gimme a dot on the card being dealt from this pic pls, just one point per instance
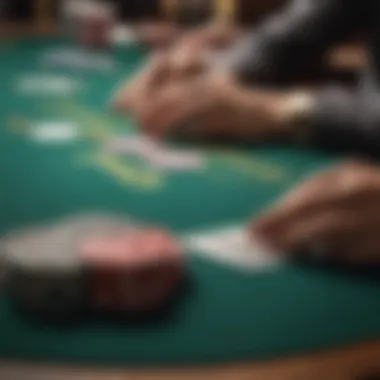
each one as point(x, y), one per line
point(233, 246)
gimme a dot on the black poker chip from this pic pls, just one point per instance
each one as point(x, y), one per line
point(44, 275)
point(50, 295)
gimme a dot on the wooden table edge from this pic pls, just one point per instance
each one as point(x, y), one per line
point(350, 363)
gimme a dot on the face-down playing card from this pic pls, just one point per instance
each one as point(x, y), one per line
point(233, 246)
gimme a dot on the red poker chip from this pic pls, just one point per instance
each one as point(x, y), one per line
point(102, 290)
point(131, 249)
point(134, 270)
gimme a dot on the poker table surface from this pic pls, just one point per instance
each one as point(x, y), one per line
point(228, 315)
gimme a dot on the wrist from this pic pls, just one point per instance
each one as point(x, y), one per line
point(292, 112)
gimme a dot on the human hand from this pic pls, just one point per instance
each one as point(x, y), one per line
point(338, 210)
point(186, 58)
point(213, 106)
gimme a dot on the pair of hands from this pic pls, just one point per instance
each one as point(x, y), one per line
point(338, 209)
point(178, 88)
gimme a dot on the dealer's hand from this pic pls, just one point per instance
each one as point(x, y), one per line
point(214, 105)
point(188, 57)
point(143, 85)
point(338, 210)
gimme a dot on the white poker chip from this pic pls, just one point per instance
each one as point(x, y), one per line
point(54, 132)
point(41, 249)
point(55, 247)
point(78, 59)
point(29, 84)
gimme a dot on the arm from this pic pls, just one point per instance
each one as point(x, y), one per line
point(340, 119)
point(331, 118)
point(294, 39)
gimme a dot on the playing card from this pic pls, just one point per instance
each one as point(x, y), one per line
point(233, 246)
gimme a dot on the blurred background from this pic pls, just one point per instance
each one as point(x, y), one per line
point(155, 22)
point(47, 11)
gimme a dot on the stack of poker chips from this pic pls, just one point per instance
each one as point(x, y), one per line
point(91, 264)
point(43, 279)
point(131, 271)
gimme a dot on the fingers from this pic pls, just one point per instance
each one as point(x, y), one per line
point(322, 211)
point(296, 206)
point(349, 188)
point(176, 104)
point(301, 235)
point(333, 228)
point(190, 56)
point(158, 76)
point(346, 235)
point(145, 82)
point(362, 249)
point(187, 60)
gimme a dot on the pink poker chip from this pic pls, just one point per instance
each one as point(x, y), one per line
point(137, 271)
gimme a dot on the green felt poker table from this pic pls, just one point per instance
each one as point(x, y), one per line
point(229, 315)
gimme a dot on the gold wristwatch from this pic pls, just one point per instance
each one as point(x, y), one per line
point(297, 112)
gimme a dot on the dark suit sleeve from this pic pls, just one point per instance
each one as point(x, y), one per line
point(294, 39)
point(346, 120)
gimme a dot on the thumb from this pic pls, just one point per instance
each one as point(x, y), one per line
point(149, 78)
point(187, 60)
point(171, 107)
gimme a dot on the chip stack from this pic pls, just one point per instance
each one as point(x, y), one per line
point(132, 272)
point(45, 277)
point(92, 263)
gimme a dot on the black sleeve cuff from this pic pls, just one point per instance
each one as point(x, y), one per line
point(250, 61)
point(346, 121)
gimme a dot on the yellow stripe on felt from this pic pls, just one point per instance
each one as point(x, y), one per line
point(19, 125)
point(126, 174)
point(256, 168)
point(95, 127)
